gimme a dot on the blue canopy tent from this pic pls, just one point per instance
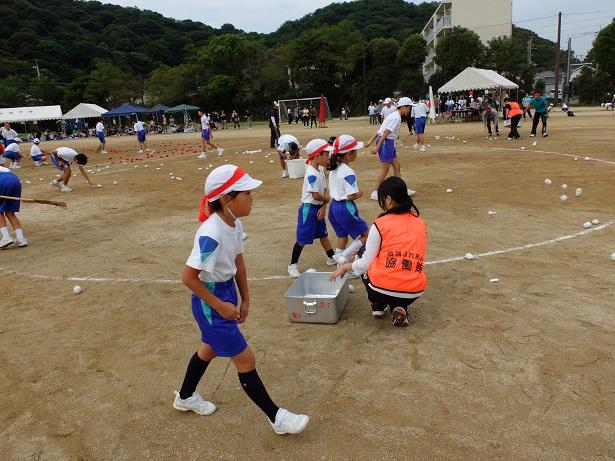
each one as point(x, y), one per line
point(159, 109)
point(125, 110)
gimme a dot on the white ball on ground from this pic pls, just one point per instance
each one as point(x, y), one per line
point(244, 236)
point(587, 225)
point(77, 289)
point(563, 198)
point(612, 256)
point(98, 185)
point(469, 256)
point(595, 222)
point(28, 182)
point(270, 161)
point(491, 212)
point(576, 158)
point(172, 177)
point(548, 182)
point(115, 183)
point(522, 148)
point(448, 191)
point(535, 143)
point(351, 289)
point(578, 192)
point(564, 186)
point(494, 280)
point(587, 158)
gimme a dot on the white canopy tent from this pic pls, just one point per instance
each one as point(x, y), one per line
point(477, 79)
point(85, 110)
point(30, 114)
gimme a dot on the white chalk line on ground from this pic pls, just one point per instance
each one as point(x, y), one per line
point(284, 277)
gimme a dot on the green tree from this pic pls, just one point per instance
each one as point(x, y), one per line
point(410, 58)
point(503, 55)
point(592, 86)
point(172, 85)
point(382, 73)
point(108, 85)
point(458, 49)
point(602, 53)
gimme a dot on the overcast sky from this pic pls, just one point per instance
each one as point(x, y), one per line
point(267, 15)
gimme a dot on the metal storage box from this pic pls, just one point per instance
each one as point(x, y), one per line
point(313, 298)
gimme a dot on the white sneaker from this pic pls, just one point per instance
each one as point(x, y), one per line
point(15, 166)
point(220, 151)
point(55, 183)
point(139, 152)
point(65, 189)
point(104, 152)
point(22, 242)
point(202, 156)
point(194, 403)
point(293, 271)
point(37, 163)
point(374, 195)
point(6, 242)
point(289, 423)
point(285, 174)
point(422, 149)
point(532, 135)
point(415, 146)
point(339, 259)
point(330, 262)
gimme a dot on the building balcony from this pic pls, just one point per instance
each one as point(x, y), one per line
point(429, 35)
point(431, 54)
point(443, 22)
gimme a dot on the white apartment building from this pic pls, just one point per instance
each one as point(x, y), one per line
point(488, 18)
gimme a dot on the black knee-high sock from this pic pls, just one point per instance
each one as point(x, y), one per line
point(330, 253)
point(297, 249)
point(194, 373)
point(254, 387)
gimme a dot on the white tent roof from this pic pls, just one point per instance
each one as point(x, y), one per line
point(29, 114)
point(477, 79)
point(85, 110)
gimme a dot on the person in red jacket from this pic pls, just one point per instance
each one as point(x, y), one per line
point(393, 262)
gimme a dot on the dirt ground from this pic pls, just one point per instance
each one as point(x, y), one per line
point(522, 368)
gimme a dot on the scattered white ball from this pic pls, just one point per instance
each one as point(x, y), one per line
point(40, 179)
point(578, 192)
point(535, 143)
point(587, 225)
point(200, 168)
point(145, 166)
point(595, 221)
point(171, 174)
point(469, 256)
point(270, 161)
point(563, 198)
point(98, 185)
point(157, 167)
point(548, 182)
point(564, 186)
point(448, 191)
point(351, 289)
point(492, 212)
point(576, 158)
point(172, 177)
point(178, 178)
point(494, 280)
point(251, 161)
point(587, 158)
point(28, 182)
point(210, 165)
point(522, 148)
point(77, 289)
point(115, 183)
point(465, 142)
point(136, 166)
point(612, 256)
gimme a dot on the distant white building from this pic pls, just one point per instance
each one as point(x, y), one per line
point(488, 18)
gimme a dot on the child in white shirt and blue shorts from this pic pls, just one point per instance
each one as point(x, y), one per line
point(10, 186)
point(344, 190)
point(311, 222)
point(214, 272)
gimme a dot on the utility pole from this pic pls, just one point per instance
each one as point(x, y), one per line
point(529, 51)
point(38, 72)
point(557, 53)
point(568, 71)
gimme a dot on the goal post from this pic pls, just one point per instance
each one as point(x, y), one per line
point(297, 105)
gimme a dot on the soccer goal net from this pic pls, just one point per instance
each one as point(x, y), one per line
point(296, 109)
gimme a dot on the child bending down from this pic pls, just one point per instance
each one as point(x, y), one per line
point(214, 271)
point(392, 264)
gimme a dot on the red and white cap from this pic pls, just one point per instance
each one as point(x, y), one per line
point(221, 181)
point(346, 143)
point(315, 147)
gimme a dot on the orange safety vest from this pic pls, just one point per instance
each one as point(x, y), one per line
point(514, 109)
point(399, 264)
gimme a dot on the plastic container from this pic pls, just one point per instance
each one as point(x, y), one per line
point(296, 168)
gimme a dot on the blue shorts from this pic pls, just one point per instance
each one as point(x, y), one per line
point(206, 134)
point(387, 152)
point(59, 163)
point(419, 125)
point(222, 335)
point(12, 155)
point(345, 219)
point(11, 186)
point(308, 226)
point(101, 137)
point(37, 158)
point(141, 135)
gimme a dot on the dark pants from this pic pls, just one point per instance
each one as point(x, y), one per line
point(542, 116)
point(410, 123)
point(275, 134)
point(380, 301)
point(514, 122)
point(529, 112)
point(313, 122)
